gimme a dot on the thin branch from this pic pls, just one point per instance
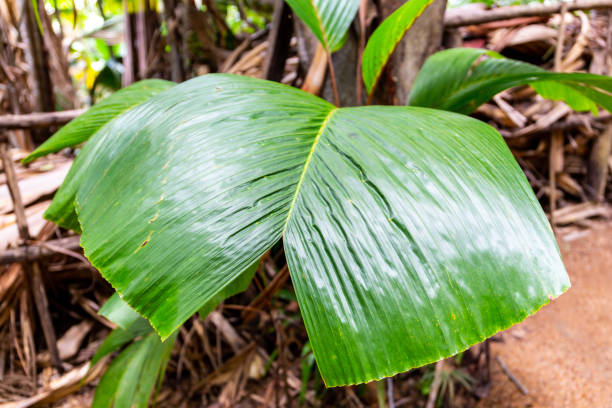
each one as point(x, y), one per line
point(390, 399)
point(512, 378)
point(459, 18)
point(35, 251)
point(435, 386)
point(572, 122)
point(362, 41)
point(560, 40)
point(15, 193)
point(370, 98)
point(39, 119)
point(555, 155)
point(332, 76)
point(33, 270)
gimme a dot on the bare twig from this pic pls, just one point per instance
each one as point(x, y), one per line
point(362, 41)
point(597, 173)
point(458, 17)
point(264, 297)
point(555, 166)
point(42, 306)
point(435, 385)
point(390, 399)
point(576, 213)
point(36, 251)
point(571, 123)
point(555, 156)
point(546, 121)
point(13, 187)
point(63, 386)
point(32, 270)
point(226, 330)
point(66, 251)
point(560, 40)
point(334, 83)
point(38, 120)
point(509, 374)
point(282, 355)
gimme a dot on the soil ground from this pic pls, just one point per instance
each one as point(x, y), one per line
point(563, 354)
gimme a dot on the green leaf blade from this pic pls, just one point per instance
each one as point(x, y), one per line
point(329, 20)
point(153, 369)
point(415, 236)
point(118, 312)
point(410, 233)
point(123, 372)
point(461, 79)
point(131, 325)
point(175, 170)
point(132, 375)
point(384, 40)
point(81, 128)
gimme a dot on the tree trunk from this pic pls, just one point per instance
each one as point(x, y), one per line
point(279, 39)
point(65, 94)
point(129, 60)
point(423, 39)
point(37, 60)
point(142, 36)
point(16, 84)
point(177, 70)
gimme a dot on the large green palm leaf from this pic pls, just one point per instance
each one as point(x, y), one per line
point(462, 79)
point(410, 233)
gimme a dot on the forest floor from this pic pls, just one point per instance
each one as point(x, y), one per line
point(563, 354)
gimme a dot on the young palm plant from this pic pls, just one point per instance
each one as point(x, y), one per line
point(410, 233)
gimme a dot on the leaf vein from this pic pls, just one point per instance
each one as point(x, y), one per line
point(306, 163)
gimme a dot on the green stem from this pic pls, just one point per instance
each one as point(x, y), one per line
point(380, 391)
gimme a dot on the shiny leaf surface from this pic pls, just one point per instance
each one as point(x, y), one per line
point(410, 233)
point(384, 40)
point(462, 79)
point(414, 236)
point(81, 128)
point(329, 20)
point(179, 196)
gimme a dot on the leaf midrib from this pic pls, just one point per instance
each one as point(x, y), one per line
point(306, 163)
